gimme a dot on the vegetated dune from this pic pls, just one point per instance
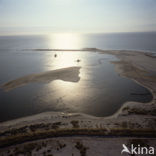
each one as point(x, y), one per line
point(66, 74)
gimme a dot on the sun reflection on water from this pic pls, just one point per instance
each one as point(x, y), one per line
point(62, 91)
point(65, 41)
point(64, 60)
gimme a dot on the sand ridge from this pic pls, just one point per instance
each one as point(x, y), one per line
point(66, 74)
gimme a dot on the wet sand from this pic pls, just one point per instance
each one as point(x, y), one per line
point(66, 74)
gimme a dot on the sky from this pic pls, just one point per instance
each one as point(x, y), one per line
point(94, 16)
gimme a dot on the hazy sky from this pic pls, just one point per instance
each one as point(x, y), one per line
point(20, 16)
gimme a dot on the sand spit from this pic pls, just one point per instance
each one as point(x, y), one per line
point(66, 74)
point(84, 49)
point(133, 119)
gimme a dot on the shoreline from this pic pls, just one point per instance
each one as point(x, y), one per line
point(132, 117)
point(70, 74)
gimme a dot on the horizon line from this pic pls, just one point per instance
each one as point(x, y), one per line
point(67, 32)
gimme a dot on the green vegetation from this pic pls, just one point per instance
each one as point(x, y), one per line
point(26, 149)
point(56, 125)
point(75, 123)
point(81, 148)
point(139, 111)
point(61, 145)
point(42, 134)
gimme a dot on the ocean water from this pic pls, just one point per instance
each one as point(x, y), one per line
point(109, 41)
point(100, 91)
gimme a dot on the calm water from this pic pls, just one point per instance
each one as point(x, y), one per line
point(123, 41)
point(100, 91)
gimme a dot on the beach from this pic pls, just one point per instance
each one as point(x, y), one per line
point(77, 78)
point(66, 74)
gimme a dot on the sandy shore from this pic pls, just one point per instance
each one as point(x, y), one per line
point(66, 74)
point(68, 146)
point(133, 118)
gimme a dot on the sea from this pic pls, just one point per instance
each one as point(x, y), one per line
point(101, 91)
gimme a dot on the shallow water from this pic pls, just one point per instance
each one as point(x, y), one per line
point(100, 91)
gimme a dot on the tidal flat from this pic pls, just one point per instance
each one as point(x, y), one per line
point(133, 120)
point(77, 81)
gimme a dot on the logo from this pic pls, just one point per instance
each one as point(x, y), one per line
point(137, 150)
point(125, 149)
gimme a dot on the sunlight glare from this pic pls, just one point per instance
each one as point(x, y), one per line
point(65, 41)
